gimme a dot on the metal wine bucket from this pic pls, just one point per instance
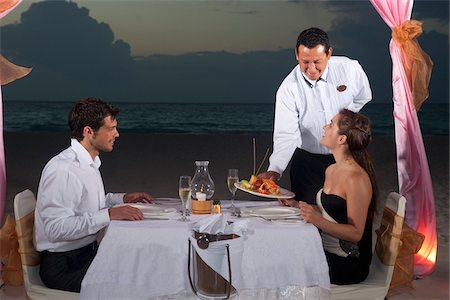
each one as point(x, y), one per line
point(205, 282)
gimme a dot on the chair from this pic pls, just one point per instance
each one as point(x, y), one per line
point(376, 286)
point(24, 205)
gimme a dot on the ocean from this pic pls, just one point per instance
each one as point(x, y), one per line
point(200, 118)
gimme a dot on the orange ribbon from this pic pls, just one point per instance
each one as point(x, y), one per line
point(25, 228)
point(7, 4)
point(9, 251)
point(417, 63)
point(10, 72)
point(389, 237)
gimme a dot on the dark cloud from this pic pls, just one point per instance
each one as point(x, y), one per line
point(428, 9)
point(74, 55)
point(70, 52)
point(249, 12)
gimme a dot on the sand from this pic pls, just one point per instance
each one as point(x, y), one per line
point(153, 163)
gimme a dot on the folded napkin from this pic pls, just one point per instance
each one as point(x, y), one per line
point(218, 224)
point(216, 255)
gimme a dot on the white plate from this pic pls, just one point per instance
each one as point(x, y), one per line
point(151, 210)
point(271, 212)
point(284, 194)
point(289, 222)
point(167, 201)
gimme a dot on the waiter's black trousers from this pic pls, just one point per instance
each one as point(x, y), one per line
point(308, 174)
point(66, 270)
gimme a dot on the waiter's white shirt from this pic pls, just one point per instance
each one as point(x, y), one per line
point(71, 204)
point(303, 107)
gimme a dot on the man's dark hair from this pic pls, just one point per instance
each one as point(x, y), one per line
point(89, 112)
point(312, 37)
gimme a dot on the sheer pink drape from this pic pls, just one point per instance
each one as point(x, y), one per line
point(8, 73)
point(412, 166)
point(2, 162)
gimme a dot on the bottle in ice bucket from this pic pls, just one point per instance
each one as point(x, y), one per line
point(202, 184)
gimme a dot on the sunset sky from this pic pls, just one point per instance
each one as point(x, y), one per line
point(228, 31)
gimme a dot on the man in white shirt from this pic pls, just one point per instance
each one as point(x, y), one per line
point(71, 203)
point(308, 98)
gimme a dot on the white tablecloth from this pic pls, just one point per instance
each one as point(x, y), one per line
point(146, 259)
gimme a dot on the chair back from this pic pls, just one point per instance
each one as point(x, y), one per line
point(376, 286)
point(388, 239)
point(24, 204)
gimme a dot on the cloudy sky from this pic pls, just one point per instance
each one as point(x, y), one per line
point(201, 51)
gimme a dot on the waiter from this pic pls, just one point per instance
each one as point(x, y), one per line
point(306, 101)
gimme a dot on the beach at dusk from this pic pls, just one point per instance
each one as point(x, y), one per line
point(209, 80)
point(154, 162)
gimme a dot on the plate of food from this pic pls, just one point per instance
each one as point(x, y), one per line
point(264, 188)
point(151, 210)
point(271, 212)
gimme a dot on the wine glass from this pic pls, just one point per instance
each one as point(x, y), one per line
point(232, 178)
point(184, 191)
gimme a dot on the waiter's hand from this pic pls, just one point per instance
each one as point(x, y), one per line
point(272, 175)
point(137, 197)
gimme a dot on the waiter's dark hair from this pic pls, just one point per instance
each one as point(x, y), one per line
point(312, 37)
point(89, 112)
point(357, 129)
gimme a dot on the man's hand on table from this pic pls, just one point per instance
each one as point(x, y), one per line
point(125, 212)
point(272, 175)
point(137, 197)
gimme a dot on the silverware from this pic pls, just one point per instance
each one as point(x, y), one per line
point(156, 218)
point(238, 212)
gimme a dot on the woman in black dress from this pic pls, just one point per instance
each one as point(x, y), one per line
point(346, 203)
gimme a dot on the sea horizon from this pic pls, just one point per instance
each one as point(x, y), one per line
point(201, 118)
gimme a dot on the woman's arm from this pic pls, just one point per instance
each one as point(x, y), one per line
point(358, 193)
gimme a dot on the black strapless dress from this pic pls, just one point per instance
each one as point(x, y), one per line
point(351, 268)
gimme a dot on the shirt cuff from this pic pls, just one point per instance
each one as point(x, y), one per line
point(276, 169)
point(114, 198)
point(102, 218)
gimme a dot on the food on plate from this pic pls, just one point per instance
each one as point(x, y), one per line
point(263, 186)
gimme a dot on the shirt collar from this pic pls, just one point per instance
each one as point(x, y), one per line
point(83, 155)
point(312, 83)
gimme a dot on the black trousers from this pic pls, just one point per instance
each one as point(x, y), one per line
point(346, 270)
point(66, 270)
point(308, 174)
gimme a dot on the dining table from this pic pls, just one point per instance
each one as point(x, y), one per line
point(148, 259)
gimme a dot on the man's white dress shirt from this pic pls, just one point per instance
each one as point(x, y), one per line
point(303, 107)
point(71, 204)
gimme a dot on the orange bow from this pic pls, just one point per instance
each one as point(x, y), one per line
point(9, 251)
point(417, 63)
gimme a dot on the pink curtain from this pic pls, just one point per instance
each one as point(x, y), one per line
point(2, 162)
point(412, 166)
point(8, 73)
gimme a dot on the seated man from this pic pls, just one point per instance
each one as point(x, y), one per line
point(71, 203)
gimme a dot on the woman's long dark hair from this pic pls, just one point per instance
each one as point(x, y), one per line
point(357, 129)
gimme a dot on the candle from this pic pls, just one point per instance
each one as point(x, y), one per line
point(200, 196)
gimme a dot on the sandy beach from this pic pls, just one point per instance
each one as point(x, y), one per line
point(153, 163)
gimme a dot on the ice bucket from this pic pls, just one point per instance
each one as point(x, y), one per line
point(205, 282)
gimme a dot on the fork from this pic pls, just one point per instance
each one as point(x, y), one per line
point(238, 212)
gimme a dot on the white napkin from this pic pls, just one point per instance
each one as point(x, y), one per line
point(217, 224)
point(216, 255)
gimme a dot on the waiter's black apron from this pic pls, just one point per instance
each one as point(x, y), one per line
point(308, 174)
